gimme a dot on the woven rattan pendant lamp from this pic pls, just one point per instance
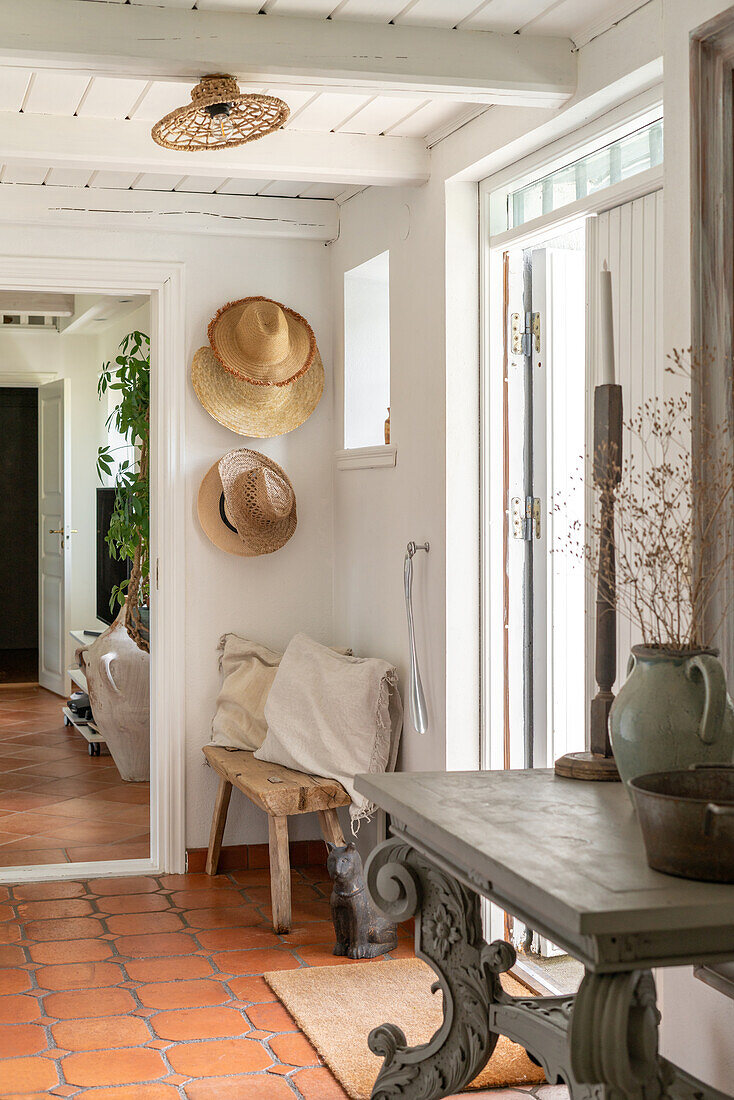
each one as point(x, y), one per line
point(220, 116)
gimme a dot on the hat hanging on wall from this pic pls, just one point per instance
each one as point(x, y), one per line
point(262, 342)
point(256, 411)
point(246, 504)
point(220, 116)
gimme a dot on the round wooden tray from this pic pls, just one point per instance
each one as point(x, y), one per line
point(588, 765)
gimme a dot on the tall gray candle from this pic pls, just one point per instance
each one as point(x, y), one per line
point(606, 327)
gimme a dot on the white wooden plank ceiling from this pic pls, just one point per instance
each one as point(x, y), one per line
point(570, 18)
point(57, 92)
point(68, 93)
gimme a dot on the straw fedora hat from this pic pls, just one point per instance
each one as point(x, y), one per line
point(257, 411)
point(246, 504)
point(262, 342)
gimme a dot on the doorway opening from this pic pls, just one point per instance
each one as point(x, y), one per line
point(541, 366)
point(543, 472)
point(68, 792)
point(19, 553)
point(543, 476)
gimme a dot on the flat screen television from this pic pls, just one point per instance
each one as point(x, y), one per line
point(110, 572)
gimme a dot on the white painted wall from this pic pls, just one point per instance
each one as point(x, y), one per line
point(377, 511)
point(698, 1022)
point(267, 598)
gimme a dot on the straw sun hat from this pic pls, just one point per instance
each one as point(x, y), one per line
point(262, 342)
point(256, 411)
point(246, 504)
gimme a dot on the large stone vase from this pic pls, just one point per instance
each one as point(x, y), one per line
point(672, 711)
point(118, 681)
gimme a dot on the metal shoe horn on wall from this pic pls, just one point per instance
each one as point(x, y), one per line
point(416, 698)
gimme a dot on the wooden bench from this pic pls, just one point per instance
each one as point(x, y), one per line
point(280, 792)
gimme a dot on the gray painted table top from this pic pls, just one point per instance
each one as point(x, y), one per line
point(565, 851)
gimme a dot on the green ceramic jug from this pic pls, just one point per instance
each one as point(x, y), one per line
point(672, 711)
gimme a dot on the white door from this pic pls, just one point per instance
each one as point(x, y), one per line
point(544, 455)
point(544, 449)
point(54, 533)
point(559, 446)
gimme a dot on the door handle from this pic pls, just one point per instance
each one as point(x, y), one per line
point(64, 536)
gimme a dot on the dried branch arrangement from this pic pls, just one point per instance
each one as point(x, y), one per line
point(674, 517)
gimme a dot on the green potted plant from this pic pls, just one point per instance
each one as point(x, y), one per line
point(129, 532)
point(117, 663)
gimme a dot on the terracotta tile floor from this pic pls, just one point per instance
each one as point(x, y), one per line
point(151, 988)
point(57, 803)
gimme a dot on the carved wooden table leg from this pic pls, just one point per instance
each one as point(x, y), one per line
point(613, 1037)
point(448, 937)
point(613, 1042)
point(603, 1043)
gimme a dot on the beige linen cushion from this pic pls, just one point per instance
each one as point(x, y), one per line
point(248, 670)
point(333, 715)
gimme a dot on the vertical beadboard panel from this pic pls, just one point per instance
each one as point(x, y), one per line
point(630, 239)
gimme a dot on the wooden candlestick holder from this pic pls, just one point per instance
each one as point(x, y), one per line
point(598, 764)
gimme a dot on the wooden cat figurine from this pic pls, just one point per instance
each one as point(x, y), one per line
point(361, 930)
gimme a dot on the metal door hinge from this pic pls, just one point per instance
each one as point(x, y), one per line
point(525, 516)
point(157, 562)
point(536, 331)
point(524, 328)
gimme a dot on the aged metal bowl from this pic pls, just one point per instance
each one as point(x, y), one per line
point(687, 821)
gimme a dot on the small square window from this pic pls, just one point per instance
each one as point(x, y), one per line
point(367, 352)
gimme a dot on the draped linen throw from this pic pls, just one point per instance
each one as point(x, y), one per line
point(333, 715)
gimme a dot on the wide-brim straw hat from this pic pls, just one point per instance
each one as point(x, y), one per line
point(262, 342)
point(257, 411)
point(246, 504)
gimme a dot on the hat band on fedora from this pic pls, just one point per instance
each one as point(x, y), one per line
point(223, 514)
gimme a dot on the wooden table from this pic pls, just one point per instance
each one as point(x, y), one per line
point(567, 858)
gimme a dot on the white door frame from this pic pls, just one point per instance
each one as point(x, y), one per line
point(164, 282)
point(493, 246)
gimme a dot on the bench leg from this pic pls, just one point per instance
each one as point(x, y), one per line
point(218, 822)
point(280, 873)
point(330, 827)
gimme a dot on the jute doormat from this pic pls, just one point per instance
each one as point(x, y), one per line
point(337, 1006)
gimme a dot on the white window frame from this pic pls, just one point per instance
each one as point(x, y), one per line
point(621, 121)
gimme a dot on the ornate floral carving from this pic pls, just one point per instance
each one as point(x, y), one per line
point(439, 934)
